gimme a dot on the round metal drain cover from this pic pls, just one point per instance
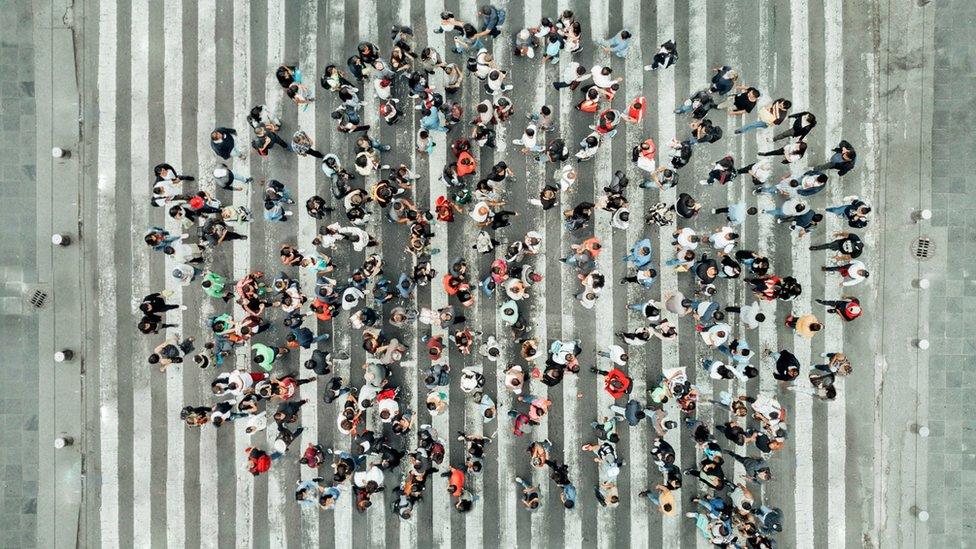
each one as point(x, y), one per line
point(923, 248)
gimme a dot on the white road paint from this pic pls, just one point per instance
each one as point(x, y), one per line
point(175, 428)
point(767, 330)
point(206, 90)
point(474, 424)
point(667, 128)
point(369, 31)
point(803, 432)
point(573, 523)
point(438, 299)
point(140, 178)
point(535, 306)
point(509, 493)
point(242, 259)
point(833, 325)
point(698, 76)
point(606, 519)
point(108, 383)
point(307, 171)
point(408, 368)
point(735, 294)
point(640, 436)
point(278, 487)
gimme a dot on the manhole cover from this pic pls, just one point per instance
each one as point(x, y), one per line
point(923, 248)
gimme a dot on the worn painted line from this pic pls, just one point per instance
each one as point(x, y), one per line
point(140, 177)
point(307, 170)
point(206, 89)
point(667, 129)
point(803, 402)
point(175, 428)
point(572, 520)
point(833, 326)
point(242, 258)
point(637, 365)
point(108, 390)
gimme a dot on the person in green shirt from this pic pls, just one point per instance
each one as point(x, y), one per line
point(213, 285)
point(265, 356)
point(223, 324)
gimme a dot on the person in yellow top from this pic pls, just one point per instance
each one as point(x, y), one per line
point(806, 325)
point(662, 498)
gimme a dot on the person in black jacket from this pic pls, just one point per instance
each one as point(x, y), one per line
point(842, 160)
point(803, 124)
point(223, 143)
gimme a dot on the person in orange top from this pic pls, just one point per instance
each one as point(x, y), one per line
point(455, 484)
point(806, 325)
point(445, 209)
point(322, 310)
point(635, 114)
point(466, 164)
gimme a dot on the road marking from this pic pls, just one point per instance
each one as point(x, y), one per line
point(108, 358)
point(206, 90)
point(438, 299)
point(667, 128)
point(572, 521)
point(242, 258)
point(175, 428)
point(535, 307)
point(307, 170)
point(803, 402)
point(606, 519)
point(140, 182)
point(833, 325)
point(767, 330)
point(473, 420)
point(639, 442)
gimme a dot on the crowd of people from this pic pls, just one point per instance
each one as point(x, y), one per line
point(401, 452)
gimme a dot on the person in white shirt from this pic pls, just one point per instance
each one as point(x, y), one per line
point(601, 77)
point(685, 238)
point(724, 239)
point(750, 315)
point(574, 75)
point(854, 272)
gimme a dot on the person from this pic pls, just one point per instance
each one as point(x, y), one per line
point(741, 103)
point(171, 351)
point(666, 55)
point(806, 325)
point(847, 307)
point(617, 44)
point(855, 211)
point(772, 114)
point(803, 123)
point(346, 266)
point(531, 498)
point(843, 159)
point(853, 272)
point(848, 245)
point(224, 145)
point(491, 19)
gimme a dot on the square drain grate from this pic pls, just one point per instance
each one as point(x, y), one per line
point(923, 248)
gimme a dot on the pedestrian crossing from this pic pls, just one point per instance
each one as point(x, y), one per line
point(169, 72)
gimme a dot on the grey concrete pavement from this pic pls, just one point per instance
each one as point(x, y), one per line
point(18, 274)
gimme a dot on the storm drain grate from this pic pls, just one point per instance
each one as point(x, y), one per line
point(923, 248)
point(37, 299)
